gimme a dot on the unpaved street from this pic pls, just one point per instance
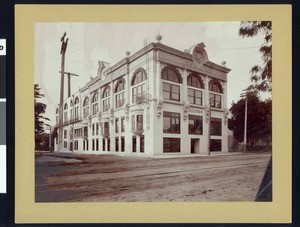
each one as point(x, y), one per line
point(234, 177)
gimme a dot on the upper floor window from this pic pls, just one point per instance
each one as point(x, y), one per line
point(138, 84)
point(215, 99)
point(95, 103)
point(137, 122)
point(86, 107)
point(195, 83)
point(215, 86)
point(106, 99)
point(120, 93)
point(171, 89)
point(76, 100)
point(66, 106)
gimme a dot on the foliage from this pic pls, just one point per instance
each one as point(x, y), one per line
point(260, 75)
point(259, 119)
point(39, 111)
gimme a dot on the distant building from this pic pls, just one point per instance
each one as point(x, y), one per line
point(153, 102)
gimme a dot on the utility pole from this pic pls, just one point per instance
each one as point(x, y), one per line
point(64, 45)
point(69, 81)
point(245, 94)
point(50, 138)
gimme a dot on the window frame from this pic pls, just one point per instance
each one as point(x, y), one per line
point(173, 117)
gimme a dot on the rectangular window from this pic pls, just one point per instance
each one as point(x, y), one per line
point(76, 113)
point(106, 104)
point(133, 122)
point(65, 116)
point(97, 144)
point(171, 122)
point(216, 126)
point(215, 145)
point(122, 124)
point(134, 144)
point(75, 145)
point(103, 144)
point(85, 112)
point(85, 131)
point(84, 145)
point(139, 122)
point(117, 144)
point(120, 99)
point(195, 96)
point(71, 114)
point(65, 134)
point(171, 145)
point(95, 108)
point(93, 131)
point(93, 144)
point(87, 145)
point(142, 144)
point(108, 144)
point(122, 143)
point(138, 91)
point(195, 124)
point(117, 125)
point(97, 129)
point(171, 91)
point(215, 101)
point(106, 127)
point(65, 144)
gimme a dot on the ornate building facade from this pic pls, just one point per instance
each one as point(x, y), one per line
point(156, 101)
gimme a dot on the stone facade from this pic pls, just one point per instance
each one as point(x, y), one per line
point(157, 101)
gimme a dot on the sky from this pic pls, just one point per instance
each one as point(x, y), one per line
point(90, 42)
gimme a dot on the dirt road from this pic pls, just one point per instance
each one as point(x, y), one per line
point(234, 177)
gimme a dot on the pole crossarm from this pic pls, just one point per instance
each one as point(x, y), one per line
point(69, 73)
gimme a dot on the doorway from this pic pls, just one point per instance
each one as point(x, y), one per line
point(195, 146)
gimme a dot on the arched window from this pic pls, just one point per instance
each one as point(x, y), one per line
point(65, 106)
point(76, 109)
point(170, 73)
point(171, 77)
point(215, 99)
point(138, 84)
point(139, 76)
point(195, 80)
point(120, 93)
point(57, 117)
point(95, 103)
point(106, 99)
point(215, 86)
point(194, 93)
point(86, 107)
point(76, 100)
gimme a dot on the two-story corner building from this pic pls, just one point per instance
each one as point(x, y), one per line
point(157, 101)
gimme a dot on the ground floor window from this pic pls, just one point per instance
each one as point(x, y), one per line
point(171, 145)
point(122, 143)
point(93, 144)
point(216, 126)
point(142, 144)
point(133, 144)
point(103, 144)
point(215, 145)
point(84, 145)
point(97, 145)
point(76, 145)
point(108, 144)
point(117, 144)
point(65, 144)
point(87, 145)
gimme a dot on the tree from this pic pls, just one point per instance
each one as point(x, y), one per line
point(260, 75)
point(39, 111)
point(259, 119)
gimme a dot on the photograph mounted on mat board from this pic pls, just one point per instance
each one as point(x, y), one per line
point(147, 111)
point(104, 111)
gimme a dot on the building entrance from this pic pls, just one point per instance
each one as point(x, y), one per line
point(195, 146)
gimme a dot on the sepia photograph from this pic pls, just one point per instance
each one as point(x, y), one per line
point(153, 111)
